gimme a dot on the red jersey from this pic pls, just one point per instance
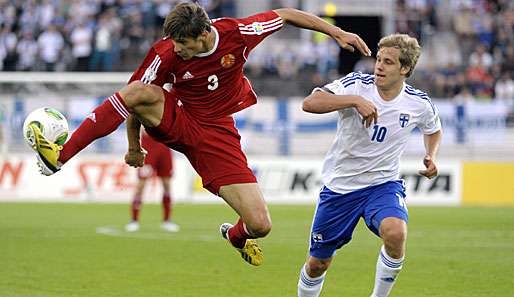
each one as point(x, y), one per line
point(211, 85)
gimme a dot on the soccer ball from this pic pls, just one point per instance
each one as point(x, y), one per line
point(51, 122)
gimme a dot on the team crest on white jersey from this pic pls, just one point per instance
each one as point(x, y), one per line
point(404, 119)
point(187, 75)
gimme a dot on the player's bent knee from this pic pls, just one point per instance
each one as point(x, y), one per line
point(260, 229)
point(394, 236)
point(393, 230)
point(138, 93)
point(316, 267)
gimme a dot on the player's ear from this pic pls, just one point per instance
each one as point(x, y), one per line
point(203, 35)
point(404, 70)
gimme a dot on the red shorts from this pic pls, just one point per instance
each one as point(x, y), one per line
point(212, 146)
point(158, 161)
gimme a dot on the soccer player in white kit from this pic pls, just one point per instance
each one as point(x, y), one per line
point(361, 170)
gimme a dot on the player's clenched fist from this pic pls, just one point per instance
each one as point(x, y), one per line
point(135, 158)
point(431, 170)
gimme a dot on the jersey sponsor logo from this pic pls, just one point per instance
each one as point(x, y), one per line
point(187, 75)
point(228, 60)
point(404, 119)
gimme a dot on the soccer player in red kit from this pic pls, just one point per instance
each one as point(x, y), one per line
point(203, 62)
point(158, 163)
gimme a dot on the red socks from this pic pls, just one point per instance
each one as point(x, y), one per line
point(135, 207)
point(104, 120)
point(238, 234)
point(166, 206)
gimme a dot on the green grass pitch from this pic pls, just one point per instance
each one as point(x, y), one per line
point(56, 250)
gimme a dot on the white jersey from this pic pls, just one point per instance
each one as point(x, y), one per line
point(362, 157)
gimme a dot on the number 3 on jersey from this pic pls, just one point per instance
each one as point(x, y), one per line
point(213, 82)
point(379, 133)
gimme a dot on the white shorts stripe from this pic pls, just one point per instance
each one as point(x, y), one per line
point(118, 106)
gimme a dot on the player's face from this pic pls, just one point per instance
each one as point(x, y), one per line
point(188, 47)
point(388, 70)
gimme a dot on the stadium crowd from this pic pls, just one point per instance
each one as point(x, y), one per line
point(84, 35)
point(468, 44)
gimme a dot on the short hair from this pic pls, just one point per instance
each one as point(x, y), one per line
point(186, 20)
point(408, 46)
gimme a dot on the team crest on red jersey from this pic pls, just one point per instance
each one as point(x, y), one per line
point(228, 60)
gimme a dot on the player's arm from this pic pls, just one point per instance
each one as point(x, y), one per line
point(135, 156)
point(151, 71)
point(324, 101)
point(432, 142)
point(301, 19)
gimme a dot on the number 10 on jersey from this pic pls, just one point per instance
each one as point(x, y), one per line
point(379, 133)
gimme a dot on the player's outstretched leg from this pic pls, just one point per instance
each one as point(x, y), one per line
point(144, 101)
point(104, 120)
point(249, 248)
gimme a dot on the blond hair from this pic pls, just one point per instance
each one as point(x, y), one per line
point(408, 46)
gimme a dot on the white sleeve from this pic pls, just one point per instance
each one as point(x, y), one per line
point(343, 86)
point(430, 122)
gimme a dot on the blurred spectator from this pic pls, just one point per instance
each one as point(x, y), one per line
point(102, 59)
point(464, 96)
point(134, 36)
point(27, 50)
point(51, 44)
point(81, 39)
point(8, 52)
point(481, 57)
point(479, 81)
point(504, 89)
point(45, 13)
point(327, 51)
point(508, 60)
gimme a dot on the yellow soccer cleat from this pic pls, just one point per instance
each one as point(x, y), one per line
point(251, 252)
point(47, 151)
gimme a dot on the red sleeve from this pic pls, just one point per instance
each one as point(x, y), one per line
point(255, 28)
point(152, 70)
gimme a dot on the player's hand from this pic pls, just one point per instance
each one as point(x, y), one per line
point(135, 158)
point(349, 41)
point(367, 110)
point(431, 170)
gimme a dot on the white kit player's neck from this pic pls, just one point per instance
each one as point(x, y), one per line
point(213, 49)
point(392, 101)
